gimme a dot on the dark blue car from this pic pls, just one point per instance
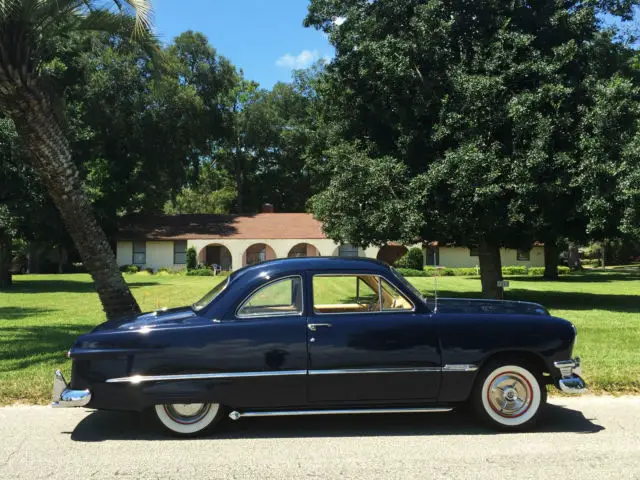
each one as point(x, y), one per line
point(307, 336)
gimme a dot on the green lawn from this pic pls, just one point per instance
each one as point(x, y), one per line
point(42, 315)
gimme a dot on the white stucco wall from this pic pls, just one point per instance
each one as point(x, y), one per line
point(124, 252)
point(159, 254)
point(455, 257)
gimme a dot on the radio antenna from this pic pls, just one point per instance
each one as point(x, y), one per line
point(435, 280)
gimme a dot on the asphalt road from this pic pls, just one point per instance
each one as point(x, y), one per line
point(588, 437)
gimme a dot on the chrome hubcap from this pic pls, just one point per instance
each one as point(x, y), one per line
point(510, 394)
point(187, 413)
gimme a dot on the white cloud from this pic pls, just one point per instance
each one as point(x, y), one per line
point(339, 21)
point(304, 59)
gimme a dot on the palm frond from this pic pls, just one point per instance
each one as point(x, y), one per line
point(141, 10)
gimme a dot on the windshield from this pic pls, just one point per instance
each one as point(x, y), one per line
point(408, 284)
point(213, 293)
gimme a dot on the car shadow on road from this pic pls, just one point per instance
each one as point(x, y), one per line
point(101, 425)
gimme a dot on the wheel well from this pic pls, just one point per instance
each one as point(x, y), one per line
point(531, 359)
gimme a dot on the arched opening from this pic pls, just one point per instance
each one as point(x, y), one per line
point(258, 252)
point(217, 256)
point(390, 254)
point(303, 250)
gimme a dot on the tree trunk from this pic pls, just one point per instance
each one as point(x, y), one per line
point(573, 256)
point(240, 189)
point(5, 262)
point(490, 269)
point(551, 260)
point(50, 156)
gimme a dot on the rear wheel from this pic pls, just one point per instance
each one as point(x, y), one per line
point(509, 396)
point(188, 419)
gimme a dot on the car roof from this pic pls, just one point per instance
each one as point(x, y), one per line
point(297, 264)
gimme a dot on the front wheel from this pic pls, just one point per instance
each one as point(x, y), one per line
point(508, 396)
point(188, 419)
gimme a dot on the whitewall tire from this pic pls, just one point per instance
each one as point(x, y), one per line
point(509, 396)
point(187, 419)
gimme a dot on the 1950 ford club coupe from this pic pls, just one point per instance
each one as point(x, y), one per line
point(310, 336)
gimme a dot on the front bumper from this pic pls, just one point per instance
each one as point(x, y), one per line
point(571, 382)
point(63, 396)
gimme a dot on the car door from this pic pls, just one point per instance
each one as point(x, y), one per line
point(368, 342)
point(263, 340)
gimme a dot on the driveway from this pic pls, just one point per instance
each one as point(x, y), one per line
point(588, 437)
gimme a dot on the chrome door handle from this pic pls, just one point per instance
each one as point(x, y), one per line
point(314, 326)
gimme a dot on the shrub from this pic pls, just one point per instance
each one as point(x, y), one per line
point(129, 268)
point(514, 270)
point(191, 258)
point(563, 270)
point(200, 272)
point(413, 259)
point(412, 272)
point(537, 271)
point(591, 262)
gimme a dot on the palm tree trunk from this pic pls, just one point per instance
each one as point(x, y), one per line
point(490, 269)
point(50, 157)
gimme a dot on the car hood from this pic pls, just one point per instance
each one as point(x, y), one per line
point(179, 317)
point(468, 305)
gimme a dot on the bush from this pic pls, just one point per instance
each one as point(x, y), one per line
point(200, 272)
point(191, 258)
point(591, 262)
point(562, 270)
point(412, 272)
point(413, 259)
point(515, 270)
point(129, 269)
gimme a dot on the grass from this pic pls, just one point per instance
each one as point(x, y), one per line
point(42, 315)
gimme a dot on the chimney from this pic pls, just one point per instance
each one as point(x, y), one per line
point(267, 208)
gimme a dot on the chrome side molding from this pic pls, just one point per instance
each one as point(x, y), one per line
point(203, 376)
point(235, 415)
point(461, 367)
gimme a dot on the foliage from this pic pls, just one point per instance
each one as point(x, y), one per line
point(483, 112)
point(412, 259)
point(194, 201)
point(201, 272)
point(191, 258)
point(130, 268)
point(515, 270)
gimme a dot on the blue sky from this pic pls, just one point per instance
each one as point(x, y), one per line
point(265, 38)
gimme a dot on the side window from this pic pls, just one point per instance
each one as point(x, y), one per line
point(392, 299)
point(279, 298)
point(345, 293)
point(139, 252)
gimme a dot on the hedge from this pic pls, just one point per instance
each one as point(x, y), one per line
point(466, 272)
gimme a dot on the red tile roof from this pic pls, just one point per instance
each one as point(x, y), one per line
point(205, 226)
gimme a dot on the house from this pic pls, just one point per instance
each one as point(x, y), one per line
point(454, 256)
point(234, 241)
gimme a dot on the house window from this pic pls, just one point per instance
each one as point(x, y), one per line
point(473, 252)
point(524, 255)
point(180, 252)
point(139, 252)
point(347, 250)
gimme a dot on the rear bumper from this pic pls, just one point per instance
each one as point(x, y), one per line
point(63, 396)
point(570, 381)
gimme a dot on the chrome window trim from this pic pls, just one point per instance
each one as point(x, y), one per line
point(313, 309)
point(268, 315)
point(203, 376)
point(460, 367)
point(349, 371)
